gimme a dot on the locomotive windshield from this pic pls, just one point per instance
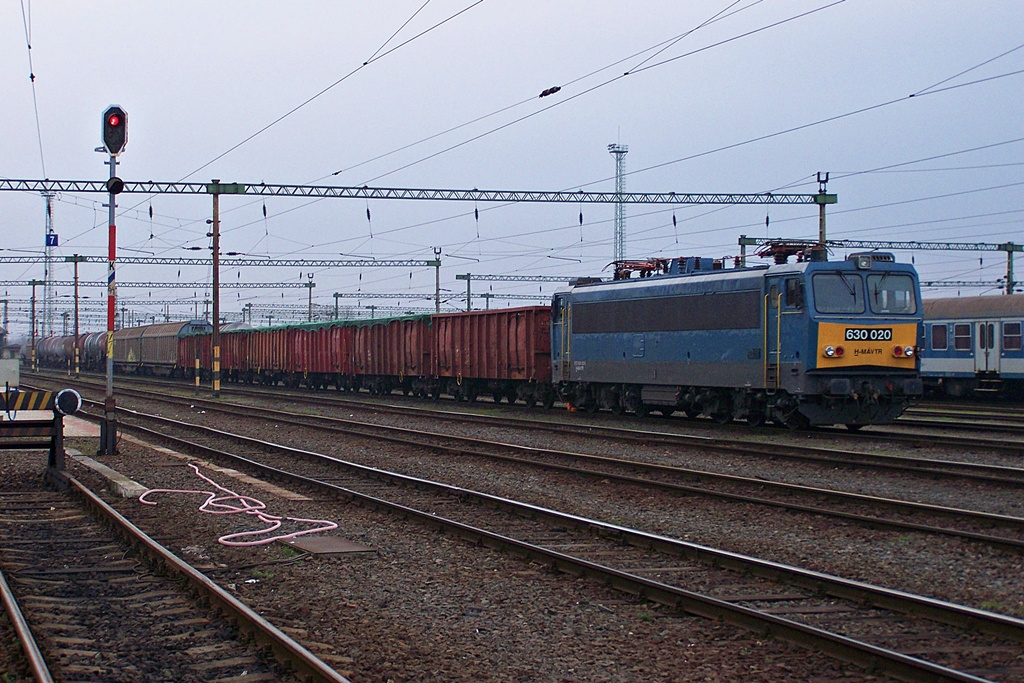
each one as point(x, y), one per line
point(892, 294)
point(838, 293)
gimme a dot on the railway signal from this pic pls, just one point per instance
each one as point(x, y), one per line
point(115, 130)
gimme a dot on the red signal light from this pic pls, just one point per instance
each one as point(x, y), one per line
point(115, 130)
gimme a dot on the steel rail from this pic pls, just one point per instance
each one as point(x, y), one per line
point(869, 656)
point(419, 438)
point(305, 663)
point(1012, 476)
point(36, 661)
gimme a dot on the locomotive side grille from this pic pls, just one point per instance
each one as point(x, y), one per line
point(711, 311)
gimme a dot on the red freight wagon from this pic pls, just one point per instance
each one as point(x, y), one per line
point(234, 356)
point(505, 353)
point(270, 354)
point(392, 352)
point(196, 346)
point(331, 356)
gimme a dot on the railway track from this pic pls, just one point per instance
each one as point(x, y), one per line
point(720, 440)
point(90, 603)
point(724, 437)
point(876, 628)
point(997, 530)
point(856, 508)
point(965, 417)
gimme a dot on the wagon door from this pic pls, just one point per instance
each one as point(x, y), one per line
point(560, 351)
point(772, 311)
point(986, 347)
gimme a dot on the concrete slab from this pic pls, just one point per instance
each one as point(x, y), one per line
point(77, 427)
point(330, 546)
point(116, 482)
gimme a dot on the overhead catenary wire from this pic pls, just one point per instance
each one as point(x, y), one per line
point(377, 56)
point(26, 20)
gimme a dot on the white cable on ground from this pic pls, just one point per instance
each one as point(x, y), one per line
point(234, 503)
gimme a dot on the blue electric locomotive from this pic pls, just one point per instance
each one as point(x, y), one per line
point(806, 343)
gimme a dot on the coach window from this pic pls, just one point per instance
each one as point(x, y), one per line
point(939, 342)
point(962, 337)
point(838, 293)
point(1011, 337)
point(794, 293)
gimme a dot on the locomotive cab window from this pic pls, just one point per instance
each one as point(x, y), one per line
point(892, 294)
point(962, 337)
point(1011, 337)
point(794, 293)
point(939, 341)
point(838, 293)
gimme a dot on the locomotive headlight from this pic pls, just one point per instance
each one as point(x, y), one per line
point(830, 351)
point(909, 352)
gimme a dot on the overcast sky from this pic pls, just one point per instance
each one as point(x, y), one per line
point(760, 99)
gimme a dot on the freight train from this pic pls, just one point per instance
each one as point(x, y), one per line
point(806, 343)
point(972, 347)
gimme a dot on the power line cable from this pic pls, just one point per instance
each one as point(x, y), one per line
point(26, 21)
point(596, 87)
point(660, 47)
point(351, 73)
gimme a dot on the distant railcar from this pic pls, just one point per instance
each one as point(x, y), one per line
point(971, 346)
point(392, 353)
point(153, 349)
point(504, 353)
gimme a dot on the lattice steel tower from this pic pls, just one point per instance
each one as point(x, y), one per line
point(619, 240)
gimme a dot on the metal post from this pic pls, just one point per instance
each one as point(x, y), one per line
point(216, 290)
point(310, 285)
point(1009, 268)
point(822, 183)
point(32, 345)
point(76, 259)
point(437, 280)
point(108, 428)
point(469, 293)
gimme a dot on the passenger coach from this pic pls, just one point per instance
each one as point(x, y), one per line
point(807, 343)
point(972, 346)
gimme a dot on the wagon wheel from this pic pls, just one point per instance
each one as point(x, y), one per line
point(667, 411)
point(795, 420)
point(853, 427)
point(510, 395)
point(591, 406)
point(549, 400)
point(756, 418)
point(497, 397)
point(692, 412)
point(722, 417)
point(617, 408)
point(641, 409)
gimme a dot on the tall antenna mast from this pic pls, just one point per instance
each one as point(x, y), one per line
point(619, 240)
